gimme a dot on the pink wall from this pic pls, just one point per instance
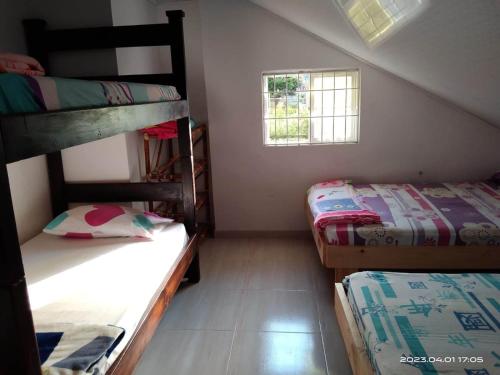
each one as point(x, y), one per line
point(403, 129)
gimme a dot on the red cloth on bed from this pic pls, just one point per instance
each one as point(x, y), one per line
point(20, 64)
point(165, 130)
point(335, 202)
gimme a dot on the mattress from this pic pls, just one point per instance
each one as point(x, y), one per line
point(448, 214)
point(428, 323)
point(99, 281)
point(27, 94)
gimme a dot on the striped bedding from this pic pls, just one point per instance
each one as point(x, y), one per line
point(428, 323)
point(27, 94)
point(448, 214)
point(76, 349)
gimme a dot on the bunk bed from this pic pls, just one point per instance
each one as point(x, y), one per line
point(424, 227)
point(25, 135)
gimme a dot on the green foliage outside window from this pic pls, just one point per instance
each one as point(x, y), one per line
point(281, 86)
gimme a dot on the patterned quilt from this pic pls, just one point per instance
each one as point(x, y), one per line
point(428, 323)
point(24, 94)
point(446, 214)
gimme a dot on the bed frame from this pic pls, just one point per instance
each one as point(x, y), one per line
point(26, 135)
point(349, 259)
point(354, 345)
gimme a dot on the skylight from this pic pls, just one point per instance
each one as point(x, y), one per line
point(375, 20)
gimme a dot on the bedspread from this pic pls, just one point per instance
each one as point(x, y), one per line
point(428, 323)
point(447, 214)
point(25, 94)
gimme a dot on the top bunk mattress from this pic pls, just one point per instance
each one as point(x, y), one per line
point(30, 94)
point(428, 323)
point(447, 214)
point(99, 281)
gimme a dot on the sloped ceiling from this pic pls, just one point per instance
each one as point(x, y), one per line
point(452, 50)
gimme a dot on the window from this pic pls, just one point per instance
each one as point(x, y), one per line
point(305, 108)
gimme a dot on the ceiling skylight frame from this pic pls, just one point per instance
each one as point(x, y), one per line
point(376, 20)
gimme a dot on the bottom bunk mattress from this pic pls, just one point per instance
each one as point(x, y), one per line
point(428, 323)
point(106, 281)
point(449, 214)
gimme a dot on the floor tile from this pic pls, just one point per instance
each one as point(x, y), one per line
point(272, 353)
point(336, 356)
point(274, 291)
point(187, 353)
point(198, 307)
point(280, 311)
point(224, 263)
point(323, 278)
point(280, 264)
point(326, 310)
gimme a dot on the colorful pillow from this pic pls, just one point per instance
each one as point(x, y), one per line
point(106, 220)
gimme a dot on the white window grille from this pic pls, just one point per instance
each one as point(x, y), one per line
point(305, 108)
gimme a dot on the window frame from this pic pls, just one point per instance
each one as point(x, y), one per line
point(311, 71)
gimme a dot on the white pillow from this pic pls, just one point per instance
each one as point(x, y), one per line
point(106, 220)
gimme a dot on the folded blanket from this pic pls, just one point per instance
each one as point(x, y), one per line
point(76, 349)
point(164, 130)
point(20, 64)
point(336, 202)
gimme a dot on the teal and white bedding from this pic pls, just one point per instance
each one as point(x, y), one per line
point(28, 94)
point(428, 323)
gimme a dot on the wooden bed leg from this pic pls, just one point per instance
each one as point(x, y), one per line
point(193, 272)
point(340, 273)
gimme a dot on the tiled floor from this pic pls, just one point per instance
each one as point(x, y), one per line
point(262, 307)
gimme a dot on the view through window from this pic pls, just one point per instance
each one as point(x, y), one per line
point(316, 107)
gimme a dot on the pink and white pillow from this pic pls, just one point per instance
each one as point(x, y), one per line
point(106, 220)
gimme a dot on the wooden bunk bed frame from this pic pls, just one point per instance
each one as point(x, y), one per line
point(27, 135)
point(345, 260)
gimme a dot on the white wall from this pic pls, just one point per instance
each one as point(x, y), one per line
point(137, 60)
point(404, 130)
point(194, 55)
point(450, 49)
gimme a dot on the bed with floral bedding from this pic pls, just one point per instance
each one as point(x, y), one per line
point(424, 226)
point(445, 214)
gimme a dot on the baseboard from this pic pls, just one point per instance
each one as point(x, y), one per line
point(299, 234)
